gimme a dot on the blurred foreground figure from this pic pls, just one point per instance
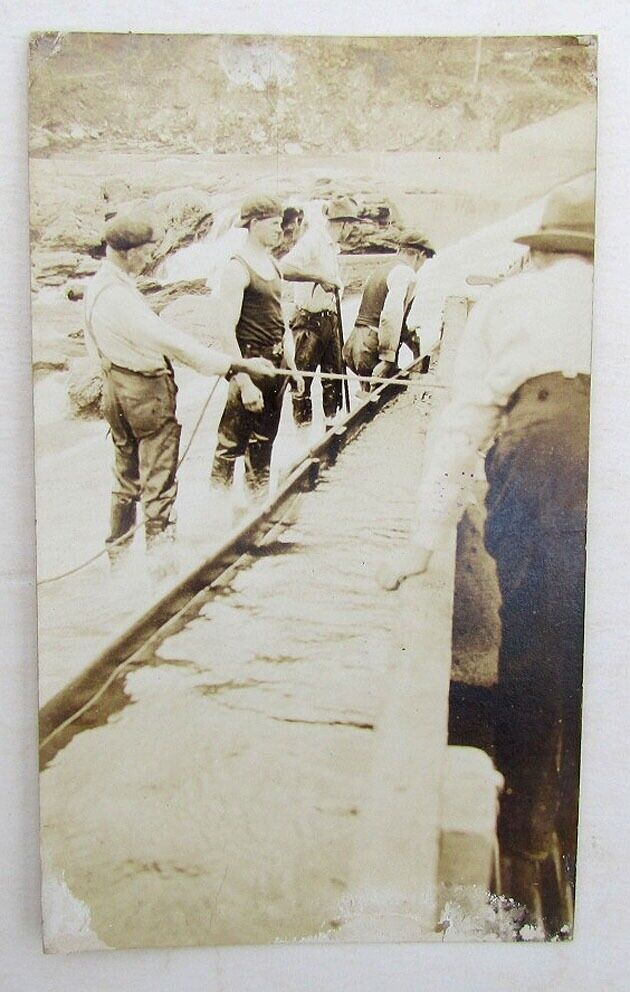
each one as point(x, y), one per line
point(253, 326)
point(134, 347)
point(313, 264)
point(521, 388)
point(380, 327)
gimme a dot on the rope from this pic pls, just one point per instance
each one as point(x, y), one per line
point(337, 376)
point(125, 537)
point(371, 379)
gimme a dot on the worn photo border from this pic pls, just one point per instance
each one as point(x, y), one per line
point(596, 958)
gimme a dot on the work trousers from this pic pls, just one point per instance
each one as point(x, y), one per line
point(536, 530)
point(360, 352)
point(141, 412)
point(317, 344)
point(250, 435)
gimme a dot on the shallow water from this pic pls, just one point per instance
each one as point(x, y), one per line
point(219, 805)
point(79, 615)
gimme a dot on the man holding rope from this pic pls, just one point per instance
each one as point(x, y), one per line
point(134, 348)
point(380, 327)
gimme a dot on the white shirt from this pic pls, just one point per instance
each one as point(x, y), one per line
point(401, 283)
point(129, 334)
point(487, 252)
point(536, 322)
point(316, 253)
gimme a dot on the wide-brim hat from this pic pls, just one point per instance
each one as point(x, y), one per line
point(568, 221)
point(342, 208)
point(259, 208)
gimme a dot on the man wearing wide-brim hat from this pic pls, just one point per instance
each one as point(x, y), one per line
point(380, 327)
point(521, 391)
point(313, 266)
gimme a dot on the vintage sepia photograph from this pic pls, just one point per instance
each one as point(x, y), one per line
point(311, 323)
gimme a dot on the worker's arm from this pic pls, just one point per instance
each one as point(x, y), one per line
point(288, 345)
point(391, 319)
point(134, 319)
point(433, 284)
point(130, 310)
point(306, 262)
point(292, 274)
point(234, 282)
point(466, 426)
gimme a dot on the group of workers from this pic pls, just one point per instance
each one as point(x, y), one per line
point(520, 393)
point(134, 348)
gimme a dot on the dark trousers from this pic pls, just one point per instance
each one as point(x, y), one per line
point(535, 530)
point(250, 435)
point(317, 344)
point(360, 351)
point(141, 412)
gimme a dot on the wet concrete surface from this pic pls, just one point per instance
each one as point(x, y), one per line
point(218, 802)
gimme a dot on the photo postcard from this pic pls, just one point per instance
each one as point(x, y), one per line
point(311, 329)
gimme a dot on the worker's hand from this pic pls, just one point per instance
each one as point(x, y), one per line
point(413, 561)
point(259, 366)
point(251, 396)
point(298, 386)
point(384, 369)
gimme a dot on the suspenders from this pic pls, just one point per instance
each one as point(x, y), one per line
point(105, 362)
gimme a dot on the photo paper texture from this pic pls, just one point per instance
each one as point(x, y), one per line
point(311, 361)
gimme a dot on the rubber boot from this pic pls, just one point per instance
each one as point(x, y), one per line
point(121, 522)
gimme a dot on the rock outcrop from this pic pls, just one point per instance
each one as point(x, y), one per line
point(85, 388)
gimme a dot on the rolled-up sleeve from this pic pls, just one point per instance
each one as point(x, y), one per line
point(303, 256)
point(391, 319)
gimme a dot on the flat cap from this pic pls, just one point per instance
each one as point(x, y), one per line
point(260, 208)
point(415, 240)
point(125, 232)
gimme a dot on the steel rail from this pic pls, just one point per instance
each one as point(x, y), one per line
point(58, 718)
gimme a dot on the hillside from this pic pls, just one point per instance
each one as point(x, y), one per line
point(231, 94)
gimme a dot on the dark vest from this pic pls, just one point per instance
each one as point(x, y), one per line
point(374, 295)
point(261, 324)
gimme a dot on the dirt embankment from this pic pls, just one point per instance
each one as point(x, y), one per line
point(68, 219)
point(288, 95)
point(187, 125)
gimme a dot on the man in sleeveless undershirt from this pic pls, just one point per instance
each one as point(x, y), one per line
point(253, 327)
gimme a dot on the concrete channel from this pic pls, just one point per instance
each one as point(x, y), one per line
point(268, 760)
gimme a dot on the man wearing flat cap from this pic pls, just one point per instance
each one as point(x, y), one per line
point(313, 265)
point(249, 299)
point(380, 327)
point(134, 348)
point(521, 391)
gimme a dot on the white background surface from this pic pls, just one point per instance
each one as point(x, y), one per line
point(596, 959)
